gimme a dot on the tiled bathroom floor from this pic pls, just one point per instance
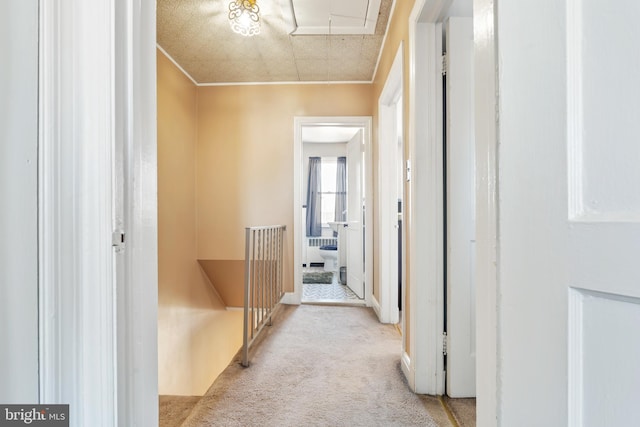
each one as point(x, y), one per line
point(327, 293)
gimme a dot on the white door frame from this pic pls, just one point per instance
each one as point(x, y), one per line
point(423, 363)
point(137, 290)
point(298, 224)
point(390, 104)
point(97, 173)
point(487, 188)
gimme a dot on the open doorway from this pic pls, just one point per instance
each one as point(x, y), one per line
point(327, 192)
point(332, 249)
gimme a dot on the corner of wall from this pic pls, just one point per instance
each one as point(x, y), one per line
point(197, 336)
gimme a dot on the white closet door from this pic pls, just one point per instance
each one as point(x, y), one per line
point(569, 213)
point(461, 351)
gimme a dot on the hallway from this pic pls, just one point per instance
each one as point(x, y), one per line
point(317, 365)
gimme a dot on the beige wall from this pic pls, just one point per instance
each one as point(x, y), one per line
point(228, 279)
point(197, 337)
point(398, 32)
point(225, 161)
point(245, 158)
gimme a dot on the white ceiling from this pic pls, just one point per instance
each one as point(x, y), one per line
point(328, 134)
point(196, 34)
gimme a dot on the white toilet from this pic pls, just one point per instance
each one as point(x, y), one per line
point(329, 254)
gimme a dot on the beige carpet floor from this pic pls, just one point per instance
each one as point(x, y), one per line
point(175, 409)
point(319, 366)
point(463, 411)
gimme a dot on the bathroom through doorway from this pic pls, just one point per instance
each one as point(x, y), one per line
point(332, 170)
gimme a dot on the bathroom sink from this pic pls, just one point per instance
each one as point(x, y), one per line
point(336, 225)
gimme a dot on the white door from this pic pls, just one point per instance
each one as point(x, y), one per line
point(569, 213)
point(19, 196)
point(355, 242)
point(460, 191)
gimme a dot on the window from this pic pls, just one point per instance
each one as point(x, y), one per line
point(328, 167)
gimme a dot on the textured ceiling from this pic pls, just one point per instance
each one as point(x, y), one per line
point(197, 35)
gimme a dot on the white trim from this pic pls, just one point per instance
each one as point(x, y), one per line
point(296, 296)
point(487, 192)
point(390, 102)
point(323, 82)
point(298, 227)
point(170, 58)
point(376, 306)
point(49, 355)
point(384, 40)
point(407, 370)
point(97, 172)
point(77, 284)
point(136, 213)
point(291, 298)
point(426, 274)
point(432, 11)
point(368, 230)
point(575, 113)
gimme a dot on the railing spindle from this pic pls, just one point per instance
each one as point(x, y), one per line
point(263, 287)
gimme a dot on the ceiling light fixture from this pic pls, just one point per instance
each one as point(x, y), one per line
point(244, 18)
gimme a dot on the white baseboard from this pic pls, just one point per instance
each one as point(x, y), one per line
point(291, 298)
point(376, 307)
point(407, 370)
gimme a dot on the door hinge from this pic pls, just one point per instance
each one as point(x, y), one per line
point(444, 343)
point(117, 240)
point(445, 64)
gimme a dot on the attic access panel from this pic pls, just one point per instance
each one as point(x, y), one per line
point(335, 16)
